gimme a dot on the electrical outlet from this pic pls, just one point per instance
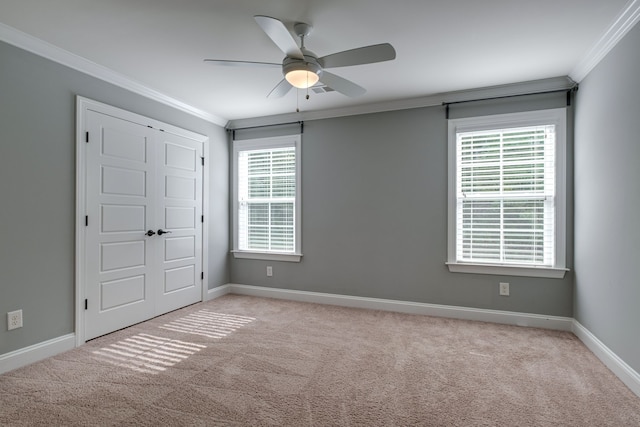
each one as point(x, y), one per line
point(14, 320)
point(269, 271)
point(504, 289)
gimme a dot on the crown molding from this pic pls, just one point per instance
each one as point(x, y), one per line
point(46, 50)
point(620, 27)
point(515, 89)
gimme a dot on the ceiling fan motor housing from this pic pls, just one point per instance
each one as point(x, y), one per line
point(309, 63)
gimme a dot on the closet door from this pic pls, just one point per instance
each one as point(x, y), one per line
point(143, 237)
point(179, 199)
point(120, 256)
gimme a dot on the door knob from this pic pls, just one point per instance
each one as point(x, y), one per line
point(150, 233)
point(161, 232)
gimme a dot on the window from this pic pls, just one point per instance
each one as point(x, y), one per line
point(507, 194)
point(267, 198)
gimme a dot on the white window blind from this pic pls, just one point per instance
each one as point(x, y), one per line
point(505, 196)
point(266, 197)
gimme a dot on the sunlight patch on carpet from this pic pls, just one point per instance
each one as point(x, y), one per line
point(208, 323)
point(147, 353)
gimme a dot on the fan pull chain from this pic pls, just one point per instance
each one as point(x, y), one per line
point(298, 96)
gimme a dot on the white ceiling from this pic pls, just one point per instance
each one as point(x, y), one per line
point(442, 45)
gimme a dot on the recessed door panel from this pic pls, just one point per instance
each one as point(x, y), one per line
point(178, 187)
point(123, 182)
point(117, 293)
point(180, 217)
point(179, 248)
point(180, 157)
point(121, 255)
point(123, 218)
point(179, 278)
point(123, 145)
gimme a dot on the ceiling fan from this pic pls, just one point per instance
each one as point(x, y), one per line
point(302, 68)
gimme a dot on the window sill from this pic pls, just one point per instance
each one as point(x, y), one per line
point(507, 270)
point(267, 256)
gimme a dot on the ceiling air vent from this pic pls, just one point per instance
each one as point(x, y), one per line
point(322, 89)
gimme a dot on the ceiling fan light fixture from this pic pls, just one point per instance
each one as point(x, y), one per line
point(302, 79)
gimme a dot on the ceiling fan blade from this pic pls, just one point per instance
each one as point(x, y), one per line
point(278, 32)
point(280, 90)
point(362, 55)
point(227, 63)
point(342, 85)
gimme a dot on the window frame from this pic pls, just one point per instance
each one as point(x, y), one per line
point(267, 144)
point(557, 117)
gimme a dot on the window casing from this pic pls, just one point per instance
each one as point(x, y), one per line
point(507, 194)
point(266, 192)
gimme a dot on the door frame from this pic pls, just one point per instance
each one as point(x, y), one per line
point(82, 106)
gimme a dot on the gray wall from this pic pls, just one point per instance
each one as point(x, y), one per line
point(607, 201)
point(374, 217)
point(37, 189)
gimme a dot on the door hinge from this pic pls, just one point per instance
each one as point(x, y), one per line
point(202, 160)
point(202, 219)
point(202, 276)
point(86, 137)
point(86, 220)
point(86, 304)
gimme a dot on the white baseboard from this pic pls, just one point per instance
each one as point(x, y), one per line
point(34, 353)
point(482, 315)
point(626, 373)
point(217, 292)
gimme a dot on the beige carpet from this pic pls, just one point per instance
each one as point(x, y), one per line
point(251, 361)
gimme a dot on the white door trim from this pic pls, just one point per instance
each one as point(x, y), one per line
point(82, 106)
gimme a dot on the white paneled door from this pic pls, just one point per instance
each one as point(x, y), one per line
point(143, 231)
point(179, 201)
